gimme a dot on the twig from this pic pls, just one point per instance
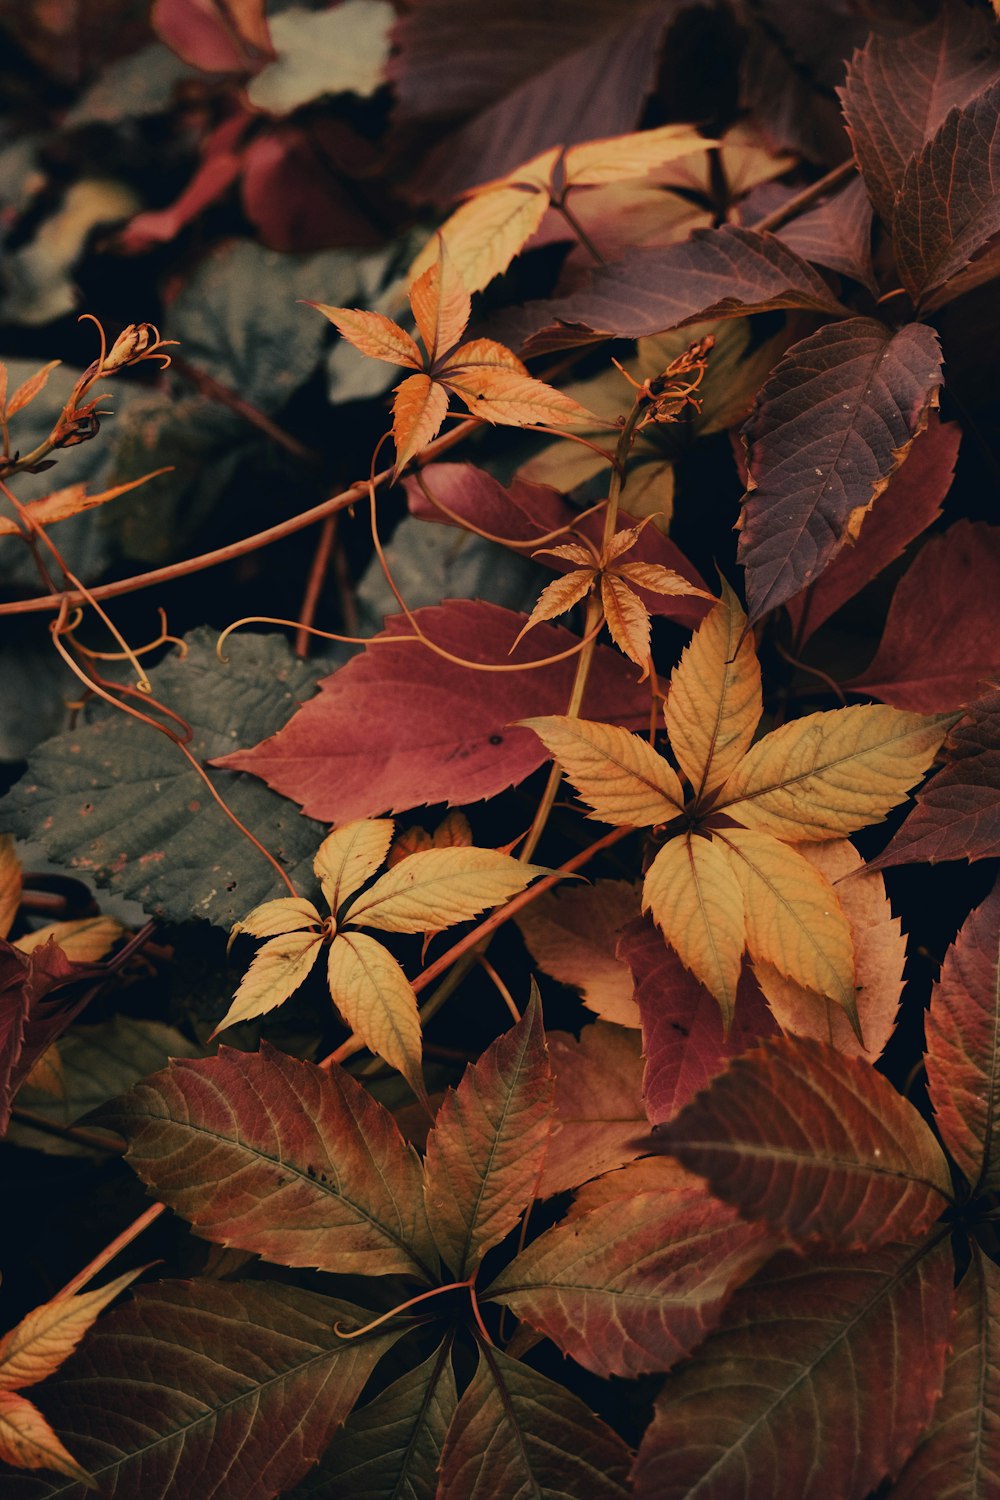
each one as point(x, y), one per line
point(808, 196)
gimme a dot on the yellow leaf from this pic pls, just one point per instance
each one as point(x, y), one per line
point(28, 1442)
point(10, 884)
point(40, 1343)
point(661, 580)
point(620, 157)
point(30, 388)
point(504, 396)
point(417, 413)
point(832, 773)
point(453, 832)
point(480, 354)
point(438, 887)
point(485, 234)
point(441, 303)
point(72, 501)
point(879, 954)
point(373, 334)
point(278, 969)
point(573, 933)
point(84, 941)
point(620, 775)
point(714, 704)
point(274, 918)
point(696, 901)
point(47, 1075)
point(350, 855)
point(793, 917)
point(377, 1001)
point(627, 619)
point(559, 596)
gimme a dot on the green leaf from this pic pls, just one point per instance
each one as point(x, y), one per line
point(117, 801)
point(485, 1152)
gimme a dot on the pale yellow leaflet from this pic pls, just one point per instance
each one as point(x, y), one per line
point(438, 887)
point(377, 1002)
point(277, 971)
point(696, 900)
point(273, 918)
point(620, 775)
point(348, 856)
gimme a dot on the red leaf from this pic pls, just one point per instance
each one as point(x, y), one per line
point(813, 1142)
point(959, 1457)
point(599, 1119)
point(949, 199)
point(398, 726)
point(29, 1021)
point(817, 1385)
point(957, 815)
point(837, 234)
point(204, 1388)
point(634, 1285)
point(222, 158)
point(486, 1148)
point(270, 1154)
point(911, 502)
point(934, 656)
point(717, 273)
point(830, 426)
point(681, 1021)
point(963, 1046)
point(218, 39)
point(294, 195)
point(899, 88)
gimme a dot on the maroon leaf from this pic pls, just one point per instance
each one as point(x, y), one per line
point(940, 647)
point(817, 1385)
point(29, 1021)
point(949, 199)
point(911, 502)
point(488, 1143)
point(681, 1021)
point(296, 1163)
point(959, 1458)
point(526, 511)
point(899, 88)
point(837, 234)
point(518, 1435)
point(635, 1284)
point(234, 40)
point(398, 726)
point(957, 815)
point(814, 1143)
point(717, 273)
point(833, 422)
point(600, 1122)
point(963, 1046)
point(199, 1388)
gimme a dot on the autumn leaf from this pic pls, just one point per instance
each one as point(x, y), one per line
point(599, 1121)
point(10, 884)
point(72, 501)
point(696, 899)
point(31, 1016)
point(439, 887)
point(376, 1000)
point(572, 935)
point(620, 775)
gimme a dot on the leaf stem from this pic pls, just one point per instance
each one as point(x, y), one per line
point(808, 196)
point(562, 207)
point(109, 1252)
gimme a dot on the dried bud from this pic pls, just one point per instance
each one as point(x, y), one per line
point(137, 342)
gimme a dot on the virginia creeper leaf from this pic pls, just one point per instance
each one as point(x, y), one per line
point(963, 1046)
point(519, 1436)
point(714, 704)
point(830, 426)
point(487, 1146)
point(485, 233)
point(957, 815)
point(267, 1153)
point(349, 856)
point(634, 1285)
point(571, 934)
point(377, 1001)
point(441, 303)
point(390, 1448)
point(837, 234)
point(274, 918)
point(439, 887)
point(620, 775)
point(831, 773)
point(417, 414)
point(930, 657)
point(342, 756)
point(27, 1440)
point(696, 899)
point(29, 1020)
point(373, 334)
point(814, 1143)
point(46, 1337)
point(959, 1456)
point(278, 969)
point(599, 1120)
point(749, 1417)
point(209, 1388)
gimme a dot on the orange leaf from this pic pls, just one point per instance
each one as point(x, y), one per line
point(47, 1336)
point(619, 158)
point(484, 352)
point(696, 901)
point(512, 399)
point(28, 1442)
point(627, 619)
point(559, 596)
point(417, 413)
point(373, 334)
point(441, 304)
point(30, 388)
point(660, 580)
point(619, 774)
point(72, 501)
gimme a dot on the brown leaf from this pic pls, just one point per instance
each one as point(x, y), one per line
point(572, 934)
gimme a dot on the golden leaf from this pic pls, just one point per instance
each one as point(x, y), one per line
point(10, 884)
point(714, 704)
point(441, 304)
point(484, 234)
point(417, 413)
point(557, 597)
point(627, 619)
point(793, 917)
point(28, 1442)
point(621, 157)
point(84, 941)
point(503, 395)
point(346, 858)
point(832, 773)
point(696, 901)
point(47, 1336)
point(620, 775)
point(274, 918)
point(438, 887)
point(277, 971)
point(373, 334)
point(377, 1002)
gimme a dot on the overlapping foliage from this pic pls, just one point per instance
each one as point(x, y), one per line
point(609, 1106)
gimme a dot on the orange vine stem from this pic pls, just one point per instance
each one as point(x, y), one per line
point(109, 1252)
